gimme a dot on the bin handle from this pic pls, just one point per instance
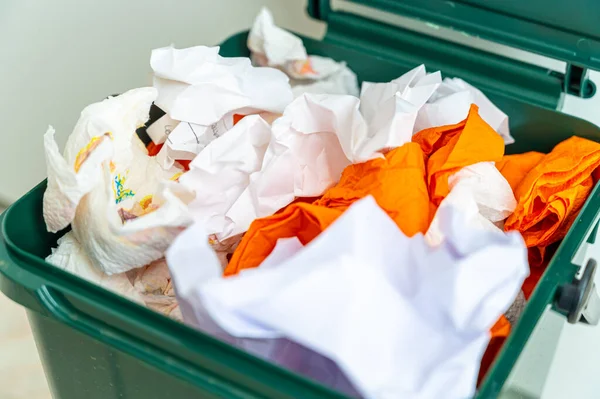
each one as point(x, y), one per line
point(56, 304)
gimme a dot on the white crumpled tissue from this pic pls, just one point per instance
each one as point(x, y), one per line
point(150, 286)
point(391, 108)
point(219, 176)
point(482, 194)
point(204, 91)
point(70, 256)
point(450, 104)
point(272, 46)
point(398, 317)
point(256, 169)
point(110, 191)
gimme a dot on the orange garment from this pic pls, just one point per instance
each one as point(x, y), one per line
point(452, 147)
point(301, 220)
point(386, 179)
point(514, 168)
point(551, 195)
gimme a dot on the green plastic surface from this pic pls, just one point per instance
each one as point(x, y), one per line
point(565, 30)
point(530, 25)
point(97, 345)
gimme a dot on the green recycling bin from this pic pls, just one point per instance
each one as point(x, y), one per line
point(97, 345)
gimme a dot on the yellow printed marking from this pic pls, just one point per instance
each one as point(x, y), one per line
point(176, 176)
point(85, 152)
point(146, 202)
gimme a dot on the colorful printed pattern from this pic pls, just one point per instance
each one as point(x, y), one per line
point(85, 152)
point(121, 193)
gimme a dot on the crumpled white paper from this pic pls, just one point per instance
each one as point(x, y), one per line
point(272, 46)
point(161, 129)
point(110, 190)
point(482, 194)
point(337, 79)
point(219, 176)
point(391, 108)
point(256, 169)
point(279, 47)
point(398, 317)
point(199, 87)
point(311, 145)
point(450, 104)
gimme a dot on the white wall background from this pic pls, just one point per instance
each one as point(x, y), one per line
point(58, 56)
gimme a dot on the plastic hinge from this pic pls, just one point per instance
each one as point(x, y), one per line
point(576, 82)
point(579, 300)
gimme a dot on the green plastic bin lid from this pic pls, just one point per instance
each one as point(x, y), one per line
point(566, 30)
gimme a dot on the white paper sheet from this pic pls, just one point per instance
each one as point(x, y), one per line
point(391, 109)
point(276, 47)
point(256, 169)
point(115, 175)
point(482, 194)
point(199, 87)
point(161, 129)
point(220, 175)
point(188, 139)
point(330, 77)
point(311, 145)
point(400, 319)
point(451, 103)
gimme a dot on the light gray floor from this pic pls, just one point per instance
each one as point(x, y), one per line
point(21, 373)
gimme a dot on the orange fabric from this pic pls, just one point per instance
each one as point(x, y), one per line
point(551, 195)
point(301, 220)
point(453, 147)
point(305, 200)
point(515, 167)
point(385, 179)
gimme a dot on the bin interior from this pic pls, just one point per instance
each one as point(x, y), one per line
point(213, 366)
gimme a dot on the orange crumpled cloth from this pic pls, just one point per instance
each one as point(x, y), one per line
point(551, 194)
point(452, 147)
point(514, 168)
